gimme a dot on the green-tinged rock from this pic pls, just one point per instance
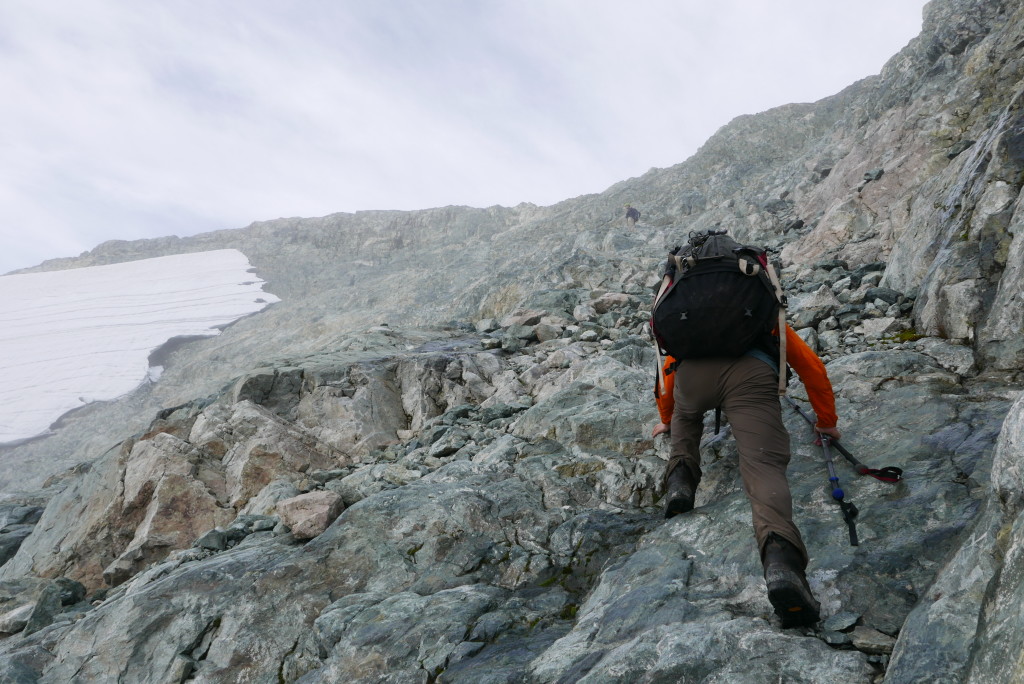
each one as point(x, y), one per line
point(871, 640)
point(214, 540)
point(45, 611)
point(840, 622)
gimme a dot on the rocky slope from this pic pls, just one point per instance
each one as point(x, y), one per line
point(469, 492)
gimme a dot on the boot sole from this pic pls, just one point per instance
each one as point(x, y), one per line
point(677, 506)
point(792, 606)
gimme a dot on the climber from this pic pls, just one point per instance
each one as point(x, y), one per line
point(746, 387)
point(632, 216)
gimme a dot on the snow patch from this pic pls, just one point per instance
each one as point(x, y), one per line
point(68, 338)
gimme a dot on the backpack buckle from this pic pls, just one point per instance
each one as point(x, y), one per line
point(750, 268)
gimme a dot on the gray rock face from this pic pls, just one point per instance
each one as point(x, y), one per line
point(517, 542)
point(943, 635)
point(489, 485)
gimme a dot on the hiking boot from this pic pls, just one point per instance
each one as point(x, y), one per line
point(788, 590)
point(679, 492)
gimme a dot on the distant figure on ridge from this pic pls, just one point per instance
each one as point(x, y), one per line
point(632, 216)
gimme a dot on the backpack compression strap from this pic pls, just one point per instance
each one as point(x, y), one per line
point(782, 326)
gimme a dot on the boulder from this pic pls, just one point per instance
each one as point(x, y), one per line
point(269, 496)
point(545, 332)
point(810, 336)
point(214, 540)
point(584, 313)
point(872, 641)
point(613, 300)
point(486, 325)
point(809, 310)
point(14, 621)
point(523, 318)
point(522, 332)
point(308, 515)
point(45, 610)
point(878, 327)
point(957, 358)
point(11, 538)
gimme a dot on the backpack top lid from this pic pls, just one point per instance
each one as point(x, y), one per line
point(715, 250)
point(712, 244)
point(717, 244)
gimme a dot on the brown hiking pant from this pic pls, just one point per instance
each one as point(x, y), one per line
point(747, 389)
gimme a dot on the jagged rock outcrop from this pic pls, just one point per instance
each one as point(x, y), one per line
point(485, 480)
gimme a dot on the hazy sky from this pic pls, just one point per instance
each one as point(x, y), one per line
point(124, 119)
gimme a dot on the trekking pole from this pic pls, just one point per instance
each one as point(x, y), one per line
point(849, 510)
point(890, 474)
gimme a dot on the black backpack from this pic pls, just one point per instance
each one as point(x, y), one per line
point(719, 299)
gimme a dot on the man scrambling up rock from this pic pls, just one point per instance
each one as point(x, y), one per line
point(718, 320)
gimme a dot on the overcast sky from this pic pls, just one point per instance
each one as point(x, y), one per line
point(124, 119)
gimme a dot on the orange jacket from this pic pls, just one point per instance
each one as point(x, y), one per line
point(798, 355)
point(663, 385)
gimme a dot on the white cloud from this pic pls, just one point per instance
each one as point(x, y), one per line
point(124, 119)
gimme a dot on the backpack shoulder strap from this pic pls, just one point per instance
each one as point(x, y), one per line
point(782, 326)
point(666, 284)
